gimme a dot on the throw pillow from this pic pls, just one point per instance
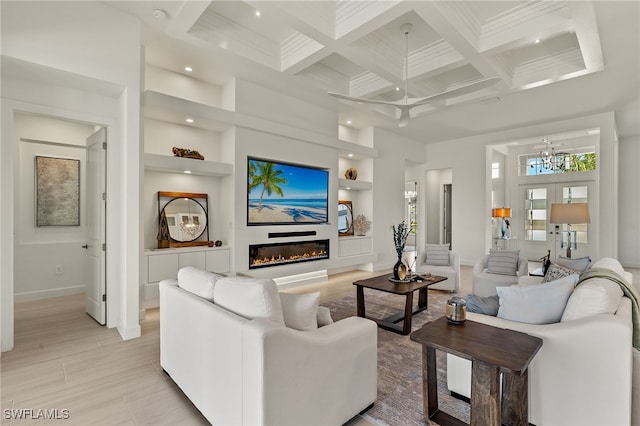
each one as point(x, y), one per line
point(482, 305)
point(579, 264)
point(249, 297)
point(536, 304)
point(197, 281)
point(556, 271)
point(437, 254)
point(591, 297)
point(503, 262)
point(324, 316)
point(300, 310)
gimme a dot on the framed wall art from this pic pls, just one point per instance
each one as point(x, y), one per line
point(57, 191)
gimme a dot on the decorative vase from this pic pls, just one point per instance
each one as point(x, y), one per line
point(399, 270)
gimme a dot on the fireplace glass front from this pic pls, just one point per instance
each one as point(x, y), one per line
point(264, 255)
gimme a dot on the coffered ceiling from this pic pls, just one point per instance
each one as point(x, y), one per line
point(553, 59)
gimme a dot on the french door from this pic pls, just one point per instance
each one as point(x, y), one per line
point(540, 236)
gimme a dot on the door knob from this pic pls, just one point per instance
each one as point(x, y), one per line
point(86, 246)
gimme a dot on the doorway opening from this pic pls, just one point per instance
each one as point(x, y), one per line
point(70, 256)
point(439, 206)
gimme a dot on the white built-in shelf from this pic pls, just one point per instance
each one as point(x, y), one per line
point(357, 151)
point(354, 185)
point(166, 163)
point(163, 107)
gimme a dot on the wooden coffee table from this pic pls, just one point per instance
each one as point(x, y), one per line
point(382, 283)
point(492, 351)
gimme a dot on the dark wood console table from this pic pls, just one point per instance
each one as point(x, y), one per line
point(382, 283)
point(491, 351)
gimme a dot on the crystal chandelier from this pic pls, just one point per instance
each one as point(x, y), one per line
point(549, 159)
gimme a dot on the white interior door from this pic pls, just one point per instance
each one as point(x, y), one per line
point(96, 211)
point(540, 235)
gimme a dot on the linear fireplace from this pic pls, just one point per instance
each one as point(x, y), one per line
point(264, 255)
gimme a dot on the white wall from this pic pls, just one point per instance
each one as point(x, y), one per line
point(629, 200)
point(255, 100)
point(51, 247)
point(388, 190)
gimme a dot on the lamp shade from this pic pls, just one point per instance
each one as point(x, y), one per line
point(501, 212)
point(570, 213)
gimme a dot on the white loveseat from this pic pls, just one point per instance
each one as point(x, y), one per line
point(582, 374)
point(241, 371)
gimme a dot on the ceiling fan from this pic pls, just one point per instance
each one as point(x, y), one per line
point(405, 104)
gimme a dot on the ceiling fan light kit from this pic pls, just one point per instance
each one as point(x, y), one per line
point(405, 104)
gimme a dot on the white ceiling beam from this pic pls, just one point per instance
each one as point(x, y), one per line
point(187, 16)
point(586, 29)
point(445, 24)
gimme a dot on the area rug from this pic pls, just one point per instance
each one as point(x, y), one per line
point(400, 361)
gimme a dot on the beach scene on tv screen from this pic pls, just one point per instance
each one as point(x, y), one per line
point(284, 193)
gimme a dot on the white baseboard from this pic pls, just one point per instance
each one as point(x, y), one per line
point(128, 333)
point(48, 293)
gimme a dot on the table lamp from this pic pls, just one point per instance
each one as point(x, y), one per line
point(569, 213)
point(504, 213)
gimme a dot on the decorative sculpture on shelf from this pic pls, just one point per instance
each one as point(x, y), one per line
point(163, 232)
point(351, 173)
point(187, 153)
point(361, 225)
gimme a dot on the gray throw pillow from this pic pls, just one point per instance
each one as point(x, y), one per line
point(579, 264)
point(437, 254)
point(503, 262)
point(483, 305)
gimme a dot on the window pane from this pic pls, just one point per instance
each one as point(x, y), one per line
point(550, 162)
point(536, 214)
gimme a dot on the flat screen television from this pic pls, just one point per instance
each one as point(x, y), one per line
point(286, 194)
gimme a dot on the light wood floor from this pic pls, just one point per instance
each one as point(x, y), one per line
point(64, 360)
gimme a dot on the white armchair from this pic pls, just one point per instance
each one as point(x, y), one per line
point(451, 271)
point(485, 282)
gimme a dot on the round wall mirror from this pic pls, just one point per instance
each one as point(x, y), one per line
point(345, 218)
point(186, 219)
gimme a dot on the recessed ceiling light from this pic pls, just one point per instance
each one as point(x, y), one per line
point(397, 89)
point(348, 188)
point(348, 121)
point(188, 172)
point(350, 155)
point(189, 120)
point(188, 68)
point(537, 40)
point(258, 13)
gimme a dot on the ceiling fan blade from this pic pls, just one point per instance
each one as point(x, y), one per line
point(478, 85)
point(360, 100)
point(404, 116)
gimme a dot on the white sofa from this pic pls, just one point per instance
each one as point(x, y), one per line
point(451, 271)
point(240, 371)
point(582, 375)
point(484, 282)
